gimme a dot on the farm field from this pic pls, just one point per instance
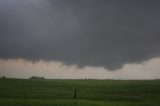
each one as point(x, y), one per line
point(21, 92)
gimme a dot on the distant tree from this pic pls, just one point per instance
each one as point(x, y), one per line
point(37, 78)
point(42, 78)
point(157, 79)
point(3, 77)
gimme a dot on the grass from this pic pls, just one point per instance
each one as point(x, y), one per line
point(18, 92)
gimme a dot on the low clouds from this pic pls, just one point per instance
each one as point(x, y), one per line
point(85, 33)
point(20, 68)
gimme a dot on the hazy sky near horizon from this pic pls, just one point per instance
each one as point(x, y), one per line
point(20, 68)
point(117, 39)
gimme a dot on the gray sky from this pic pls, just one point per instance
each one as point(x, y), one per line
point(106, 34)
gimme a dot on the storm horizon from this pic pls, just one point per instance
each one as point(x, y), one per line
point(80, 39)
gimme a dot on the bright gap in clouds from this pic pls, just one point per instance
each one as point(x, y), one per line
point(20, 68)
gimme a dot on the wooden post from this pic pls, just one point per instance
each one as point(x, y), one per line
point(75, 94)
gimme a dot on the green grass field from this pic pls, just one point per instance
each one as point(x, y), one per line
point(18, 92)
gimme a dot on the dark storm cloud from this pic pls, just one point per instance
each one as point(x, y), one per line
point(107, 33)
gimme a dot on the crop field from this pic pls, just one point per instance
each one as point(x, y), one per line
point(21, 92)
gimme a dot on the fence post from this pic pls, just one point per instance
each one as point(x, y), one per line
point(75, 94)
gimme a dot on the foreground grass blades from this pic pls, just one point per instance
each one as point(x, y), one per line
point(19, 102)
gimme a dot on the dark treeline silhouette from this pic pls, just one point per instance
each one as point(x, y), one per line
point(3, 77)
point(37, 78)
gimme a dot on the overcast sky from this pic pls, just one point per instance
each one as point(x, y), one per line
point(117, 39)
